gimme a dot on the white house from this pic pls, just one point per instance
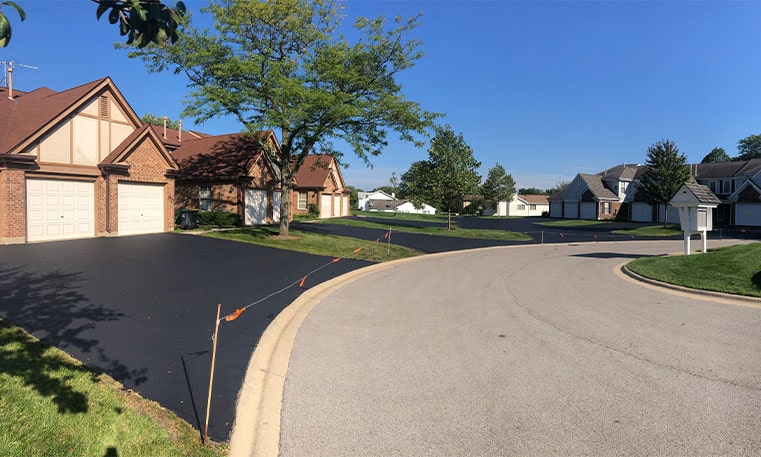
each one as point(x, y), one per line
point(381, 201)
point(521, 205)
point(409, 207)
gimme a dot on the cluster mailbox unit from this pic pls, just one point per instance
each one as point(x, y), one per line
point(695, 203)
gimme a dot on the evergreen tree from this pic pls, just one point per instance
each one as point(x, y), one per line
point(667, 171)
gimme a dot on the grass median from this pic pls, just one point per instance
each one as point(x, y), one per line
point(733, 269)
point(572, 223)
point(318, 244)
point(52, 405)
point(652, 230)
point(422, 229)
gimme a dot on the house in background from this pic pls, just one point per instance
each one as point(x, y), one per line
point(598, 196)
point(229, 173)
point(319, 181)
point(520, 205)
point(79, 163)
point(383, 202)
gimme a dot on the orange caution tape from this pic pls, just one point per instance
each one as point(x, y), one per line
point(301, 284)
point(336, 259)
point(234, 315)
point(386, 235)
point(356, 251)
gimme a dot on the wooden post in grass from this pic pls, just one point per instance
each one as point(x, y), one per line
point(388, 245)
point(211, 376)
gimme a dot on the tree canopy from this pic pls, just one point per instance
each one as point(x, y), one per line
point(559, 187)
point(5, 24)
point(144, 21)
point(531, 191)
point(667, 171)
point(447, 176)
point(282, 65)
point(749, 148)
point(152, 119)
point(717, 155)
point(498, 185)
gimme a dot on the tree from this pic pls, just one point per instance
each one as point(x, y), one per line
point(498, 186)
point(447, 176)
point(5, 24)
point(353, 196)
point(560, 186)
point(144, 21)
point(156, 120)
point(666, 171)
point(717, 155)
point(531, 191)
point(749, 148)
point(281, 65)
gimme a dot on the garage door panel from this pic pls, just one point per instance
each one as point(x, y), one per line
point(141, 208)
point(58, 209)
point(748, 214)
point(256, 207)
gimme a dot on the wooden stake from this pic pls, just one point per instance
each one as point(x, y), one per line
point(388, 246)
point(211, 376)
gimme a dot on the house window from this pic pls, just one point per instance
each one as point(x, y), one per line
point(521, 207)
point(302, 205)
point(712, 186)
point(204, 198)
point(606, 208)
point(532, 207)
point(726, 186)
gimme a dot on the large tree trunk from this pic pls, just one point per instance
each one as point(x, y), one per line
point(285, 205)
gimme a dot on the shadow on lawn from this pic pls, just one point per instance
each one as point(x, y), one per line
point(49, 306)
point(757, 280)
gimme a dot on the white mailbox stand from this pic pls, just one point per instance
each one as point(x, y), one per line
point(695, 203)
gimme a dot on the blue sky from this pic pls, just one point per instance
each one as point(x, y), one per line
point(546, 89)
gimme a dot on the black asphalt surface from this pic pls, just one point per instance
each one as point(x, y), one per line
point(142, 309)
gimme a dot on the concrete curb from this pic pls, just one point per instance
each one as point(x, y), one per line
point(738, 300)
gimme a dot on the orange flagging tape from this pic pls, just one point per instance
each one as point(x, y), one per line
point(336, 259)
point(301, 284)
point(235, 315)
point(386, 235)
point(356, 251)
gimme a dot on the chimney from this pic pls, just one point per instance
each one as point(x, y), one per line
point(165, 127)
point(10, 83)
point(179, 127)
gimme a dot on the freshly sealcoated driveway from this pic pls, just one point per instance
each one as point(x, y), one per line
point(535, 350)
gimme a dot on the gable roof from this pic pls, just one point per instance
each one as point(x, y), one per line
point(222, 157)
point(315, 171)
point(726, 169)
point(702, 193)
point(127, 146)
point(624, 172)
point(30, 115)
point(534, 199)
point(174, 137)
point(597, 187)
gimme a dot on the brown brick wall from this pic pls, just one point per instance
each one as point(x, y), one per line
point(312, 197)
point(12, 206)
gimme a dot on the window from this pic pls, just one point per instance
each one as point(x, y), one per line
point(302, 205)
point(726, 187)
point(532, 207)
point(606, 208)
point(204, 198)
point(521, 207)
point(712, 186)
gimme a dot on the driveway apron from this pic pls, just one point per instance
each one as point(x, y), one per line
point(142, 309)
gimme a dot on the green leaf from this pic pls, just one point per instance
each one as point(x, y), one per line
point(102, 8)
point(5, 31)
point(113, 16)
point(18, 9)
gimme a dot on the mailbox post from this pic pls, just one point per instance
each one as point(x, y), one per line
point(695, 203)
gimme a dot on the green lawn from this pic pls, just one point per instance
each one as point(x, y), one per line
point(652, 230)
point(734, 269)
point(319, 244)
point(505, 235)
point(402, 216)
point(52, 405)
point(571, 223)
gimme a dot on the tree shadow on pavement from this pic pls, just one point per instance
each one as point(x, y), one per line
point(49, 306)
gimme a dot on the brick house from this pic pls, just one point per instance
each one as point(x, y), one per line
point(229, 173)
point(79, 163)
point(319, 181)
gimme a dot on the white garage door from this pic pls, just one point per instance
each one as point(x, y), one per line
point(642, 212)
point(336, 206)
point(571, 210)
point(588, 210)
point(256, 207)
point(325, 201)
point(345, 207)
point(58, 209)
point(141, 208)
point(556, 209)
point(748, 214)
point(276, 198)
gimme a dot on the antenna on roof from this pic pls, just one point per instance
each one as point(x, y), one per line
point(11, 64)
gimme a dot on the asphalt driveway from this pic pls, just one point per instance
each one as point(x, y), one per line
point(142, 309)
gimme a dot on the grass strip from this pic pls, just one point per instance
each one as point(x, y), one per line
point(733, 269)
point(402, 216)
point(652, 230)
point(52, 405)
point(318, 244)
point(571, 223)
point(504, 235)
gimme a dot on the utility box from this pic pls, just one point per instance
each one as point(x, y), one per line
point(695, 203)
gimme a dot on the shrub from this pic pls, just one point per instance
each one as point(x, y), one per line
point(218, 219)
point(313, 211)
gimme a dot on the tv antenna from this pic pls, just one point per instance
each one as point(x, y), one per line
point(12, 64)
